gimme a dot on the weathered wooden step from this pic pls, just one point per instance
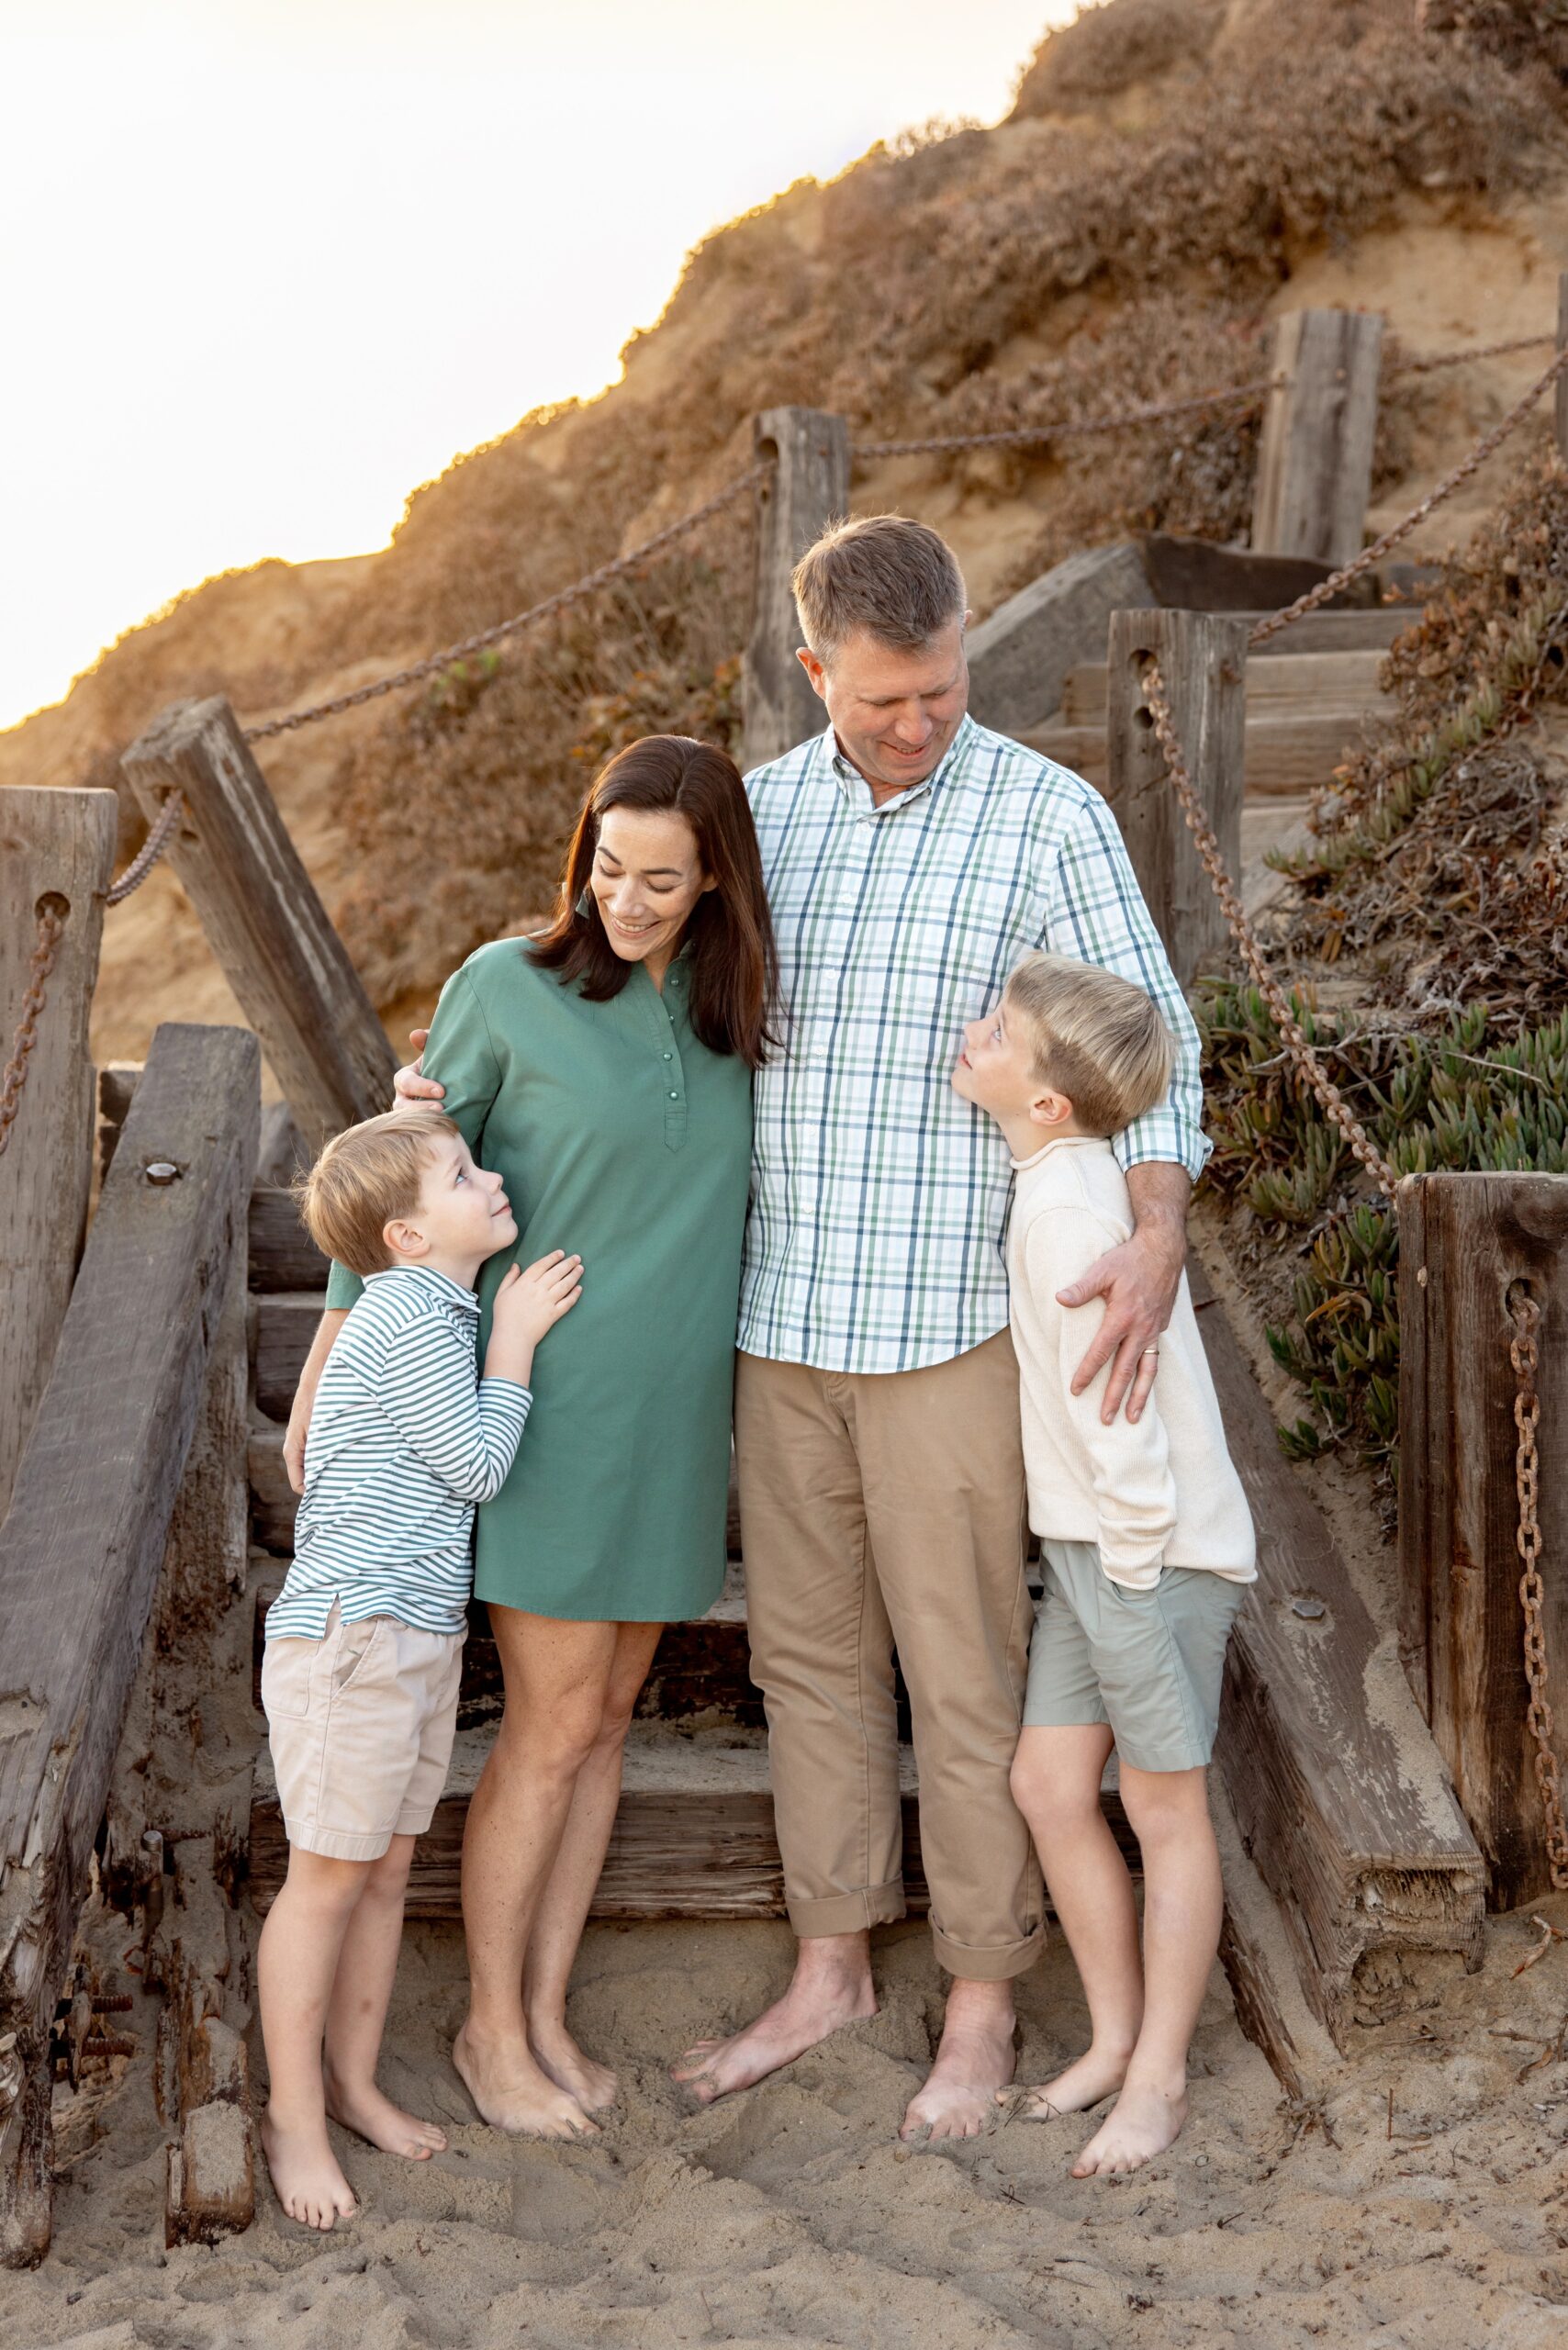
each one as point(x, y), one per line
point(1277, 685)
point(694, 1836)
point(1282, 756)
point(1339, 631)
point(283, 1255)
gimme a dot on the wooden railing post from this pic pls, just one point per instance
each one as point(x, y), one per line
point(804, 489)
point(1464, 1240)
point(58, 846)
point(1203, 660)
point(1314, 452)
point(80, 1549)
point(1561, 385)
point(264, 920)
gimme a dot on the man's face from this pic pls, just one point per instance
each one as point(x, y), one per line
point(895, 713)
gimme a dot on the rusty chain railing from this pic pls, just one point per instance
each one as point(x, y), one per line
point(1073, 428)
point(1525, 1315)
point(53, 914)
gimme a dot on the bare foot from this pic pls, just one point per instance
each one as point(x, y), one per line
point(808, 2012)
point(595, 2086)
point(976, 2059)
point(372, 2115)
point(513, 2094)
point(1084, 2084)
point(306, 2175)
point(1141, 2123)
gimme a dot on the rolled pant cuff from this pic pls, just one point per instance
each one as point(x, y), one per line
point(846, 1913)
point(987, 1962)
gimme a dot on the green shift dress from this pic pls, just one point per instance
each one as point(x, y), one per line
point(621, 1137)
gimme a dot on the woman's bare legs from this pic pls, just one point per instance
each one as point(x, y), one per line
point(556, 1675)
point(563, 1905)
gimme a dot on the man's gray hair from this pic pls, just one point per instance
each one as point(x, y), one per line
point(893, 579)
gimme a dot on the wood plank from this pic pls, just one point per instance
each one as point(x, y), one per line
point(56, 847)
point(694, 1836)
point(1198, 575)
point(286, 1323)
point(90, 1517)
point(1463, 1241)
point(1020, 655)
point(1282, 756)
point(804, 489)
point(204, 2065)
point(1276, 686)
point(264, 920)
point(1201, 657)
point(1371, 630)
point(1340, 1794)
point(117, 1081)
point(1315, 451)
point(283, 1255)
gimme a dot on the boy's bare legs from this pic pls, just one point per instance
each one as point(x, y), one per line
point(557, 1675)
point(563, 1905)
point(831, 1986)
point(356, 2014)
point(1056, 1785)
point(1183, 1901)
point(295, 1963)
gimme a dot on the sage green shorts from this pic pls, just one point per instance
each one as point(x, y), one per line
point(1149, 1663)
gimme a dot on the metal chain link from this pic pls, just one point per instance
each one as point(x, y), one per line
point(52, 915)
point(1212, 858)
point(1463, 358)
point(1484, 448)
point(1525, 1315)
point(152, 849)
point(558, 602)
point(1071, 427)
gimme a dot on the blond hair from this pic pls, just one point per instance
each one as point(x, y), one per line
point(894, 578)
point(365, 1179)
point(1093, 1036)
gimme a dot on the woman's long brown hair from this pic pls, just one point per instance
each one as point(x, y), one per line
point(729, 934)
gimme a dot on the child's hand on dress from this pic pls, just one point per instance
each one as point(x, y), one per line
point(528, 1304)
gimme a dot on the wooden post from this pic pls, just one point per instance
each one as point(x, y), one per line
point(265, 923)
point(806, 488)
point(1314, 453)
point(59, 845)
point(1203, 660)
point(1463, 1241)
point(90, 1518)
point(1562, 386)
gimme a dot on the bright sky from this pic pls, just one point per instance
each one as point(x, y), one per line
point(267, 265)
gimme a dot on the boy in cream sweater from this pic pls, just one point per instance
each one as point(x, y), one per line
point(1147, 1545)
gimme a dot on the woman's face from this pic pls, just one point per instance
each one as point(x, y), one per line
point(646, 878)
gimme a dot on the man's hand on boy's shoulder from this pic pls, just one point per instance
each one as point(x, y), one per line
point(1138, 1280)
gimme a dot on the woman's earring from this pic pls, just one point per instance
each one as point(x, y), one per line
point(585, 903)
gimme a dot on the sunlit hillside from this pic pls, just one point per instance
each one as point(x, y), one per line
point(1174, 173)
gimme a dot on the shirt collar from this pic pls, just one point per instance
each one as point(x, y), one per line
point(856, 791)
point(440, 1286)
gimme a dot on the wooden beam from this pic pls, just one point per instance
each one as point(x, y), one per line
point(1314, 452)
point(264, 920)
point(1019, 658)
point(1282, 756)
point(283, 1255)
point(117, 1081)
point(1281, 685)
point(203, 2069)
point(804, 489)
point(694, 1836)
point(56, 847)
point(1340, 1796)
point(90, 1517)
point(1196, 576)
point(1203, 660)
point(1464, 1240)
point(1561, 394)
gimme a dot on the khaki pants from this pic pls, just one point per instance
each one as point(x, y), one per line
point(883, 1510)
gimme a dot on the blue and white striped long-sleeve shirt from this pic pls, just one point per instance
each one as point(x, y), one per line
point(402, 1445)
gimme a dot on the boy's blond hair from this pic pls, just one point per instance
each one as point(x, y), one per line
point(1093, 1036)
point(366, 1178)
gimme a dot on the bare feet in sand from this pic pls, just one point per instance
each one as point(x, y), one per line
point(1094, 2077)
point(832, 1987)
point(1141, 2124)
point(306, 2175)
point(370, 2115)
point(513, 2093)
point(976, 2059)
point(557, 2053)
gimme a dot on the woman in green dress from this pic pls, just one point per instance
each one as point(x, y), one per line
point(604, 1071)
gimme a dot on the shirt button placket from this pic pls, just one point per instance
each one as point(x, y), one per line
point(670, 1061)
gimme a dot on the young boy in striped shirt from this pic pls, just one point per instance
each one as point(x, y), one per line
point(364, 1641)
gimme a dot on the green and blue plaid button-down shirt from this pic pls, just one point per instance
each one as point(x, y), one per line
point(879, 1199)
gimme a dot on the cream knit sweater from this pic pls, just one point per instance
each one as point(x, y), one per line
point(1159, 1491)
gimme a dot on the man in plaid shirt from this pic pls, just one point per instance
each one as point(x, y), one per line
point(912, 858)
